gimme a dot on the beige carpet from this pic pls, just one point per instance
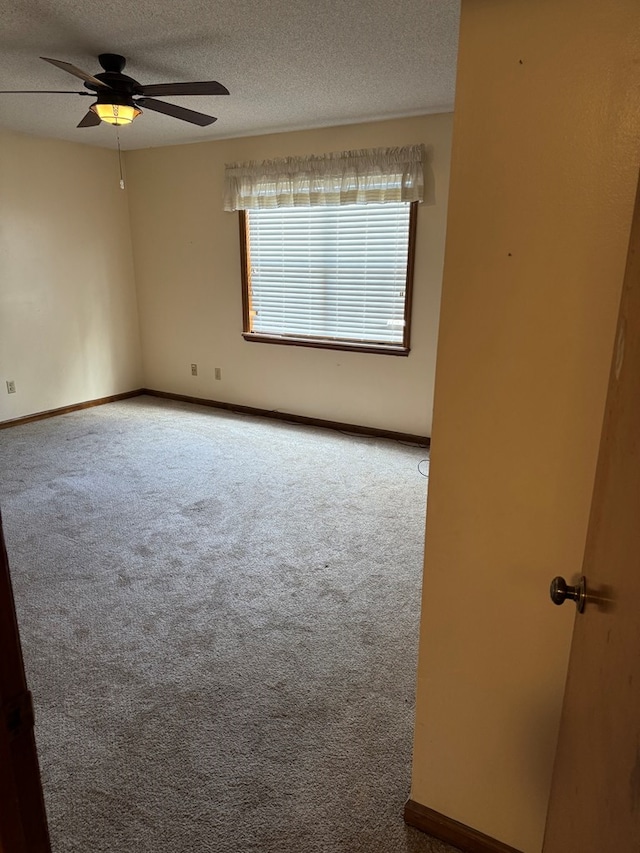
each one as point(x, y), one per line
point(219, 617)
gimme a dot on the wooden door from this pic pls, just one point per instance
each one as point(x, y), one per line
point(595, 797)
point(23, 822)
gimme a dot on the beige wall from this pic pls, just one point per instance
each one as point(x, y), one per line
point(545, 162)
point(68, 311)
point(187, 261)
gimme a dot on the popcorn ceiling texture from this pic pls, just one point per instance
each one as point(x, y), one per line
point(219, 616)
point(289, 64)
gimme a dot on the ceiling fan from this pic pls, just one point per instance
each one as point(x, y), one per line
point(120, 97)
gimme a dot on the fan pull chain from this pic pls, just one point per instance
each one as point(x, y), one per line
point(119, 158)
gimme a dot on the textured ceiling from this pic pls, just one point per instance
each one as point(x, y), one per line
point(289, 64)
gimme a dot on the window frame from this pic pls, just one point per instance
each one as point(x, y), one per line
point(402, 349)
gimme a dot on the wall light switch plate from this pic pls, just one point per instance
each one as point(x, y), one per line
point(11, 386)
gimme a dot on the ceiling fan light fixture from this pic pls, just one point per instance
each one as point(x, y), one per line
point(116, 114)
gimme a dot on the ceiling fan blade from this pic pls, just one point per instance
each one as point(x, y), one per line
point(210, 87)
point(44, 92)
point(77, 72)
point(90, 120)
point(176, 112)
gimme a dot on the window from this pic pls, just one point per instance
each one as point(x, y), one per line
point(336, 275)
point(328, 247)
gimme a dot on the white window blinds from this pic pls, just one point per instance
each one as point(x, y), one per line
point(333, 273)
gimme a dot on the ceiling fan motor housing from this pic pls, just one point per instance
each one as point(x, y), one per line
point(121, 86)
point(113, 96)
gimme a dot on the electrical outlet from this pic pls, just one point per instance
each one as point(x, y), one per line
point(11, 386)
point(194, 369)
point(218, 373)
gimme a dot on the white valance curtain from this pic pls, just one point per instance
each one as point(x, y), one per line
point(372, 176)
